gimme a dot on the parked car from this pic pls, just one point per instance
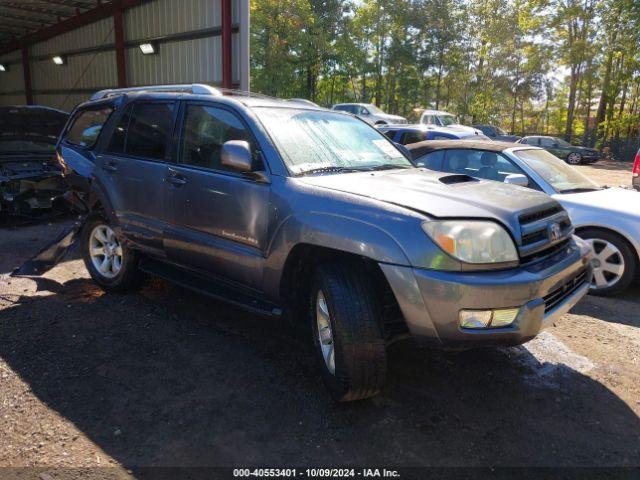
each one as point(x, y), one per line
point(572, 154)
point(635, 175)
point(439, 118)
point(29, 178)
point(406, 134)
point(305, 101)
point(607, 218)
point(283, 208)
point(369, 113)
point(496, 133)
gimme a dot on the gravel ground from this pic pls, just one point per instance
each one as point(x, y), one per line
point(165, 377)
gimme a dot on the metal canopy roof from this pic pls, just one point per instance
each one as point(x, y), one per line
point(19, 18)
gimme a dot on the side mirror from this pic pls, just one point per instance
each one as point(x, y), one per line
point(364, 112)
point(236, 155)
point(517, 179)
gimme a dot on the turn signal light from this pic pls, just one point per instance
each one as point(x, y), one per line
point(636, 165)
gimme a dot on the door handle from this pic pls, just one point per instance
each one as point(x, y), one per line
point(177, 181)
point(175, 178)
point(110, 167)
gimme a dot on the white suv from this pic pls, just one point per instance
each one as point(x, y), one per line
point(369, 113)
point(445, 119)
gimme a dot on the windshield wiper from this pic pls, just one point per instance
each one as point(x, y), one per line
point(580, 190)
point(386, 166)
point(331, 169)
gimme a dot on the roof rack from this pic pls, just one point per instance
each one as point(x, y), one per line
point(195, 88)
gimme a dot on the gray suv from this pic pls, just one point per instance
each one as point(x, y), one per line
point(287, 209)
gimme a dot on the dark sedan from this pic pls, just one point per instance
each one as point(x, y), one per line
point(572, 154)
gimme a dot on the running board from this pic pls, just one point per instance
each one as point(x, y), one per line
point(210, 288)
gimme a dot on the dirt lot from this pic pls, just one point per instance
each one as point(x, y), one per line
point(165, 377)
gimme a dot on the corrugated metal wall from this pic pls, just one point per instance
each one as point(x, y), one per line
point(12, 81)
point(184, 61)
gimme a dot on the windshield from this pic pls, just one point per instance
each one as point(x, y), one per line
point(374, 110)
point(25, 147)
point(500, 131)
point(562, 177)
point(447, 120)
point(316, 141)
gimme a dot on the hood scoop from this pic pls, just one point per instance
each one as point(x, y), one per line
point(457, 178)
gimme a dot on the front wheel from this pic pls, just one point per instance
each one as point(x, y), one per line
point(574, 159)
point(614, 263)
point(347, 331)
point(110, 263)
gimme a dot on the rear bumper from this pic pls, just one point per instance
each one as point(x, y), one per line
point(431, 300)
point(636, 183)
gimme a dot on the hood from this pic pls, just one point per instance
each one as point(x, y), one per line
point(586, 149)
point(438, 194)
point(36, 123)
point(613, 200)
point(394, 118)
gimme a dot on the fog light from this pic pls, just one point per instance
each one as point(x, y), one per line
point(475, 318)
point(504, 318)
point(488, 318)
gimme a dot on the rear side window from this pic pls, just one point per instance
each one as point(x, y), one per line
point(86, 127)
point(412, 137)
point(143, 130)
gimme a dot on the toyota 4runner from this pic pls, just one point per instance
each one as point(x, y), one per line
point(284, 208)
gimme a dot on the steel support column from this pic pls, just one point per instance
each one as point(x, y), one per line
point(227, 75)
point(26, 69)
point(121, 62)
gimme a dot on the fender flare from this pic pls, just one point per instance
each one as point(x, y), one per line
point(331, 231)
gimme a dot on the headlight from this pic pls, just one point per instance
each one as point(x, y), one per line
point(473, 241)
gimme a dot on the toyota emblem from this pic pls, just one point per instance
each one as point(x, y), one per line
point(554, 232)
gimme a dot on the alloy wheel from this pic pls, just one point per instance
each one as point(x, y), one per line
point(608, 263)
point(574, 158)
point(105, 251)
point(325, 333)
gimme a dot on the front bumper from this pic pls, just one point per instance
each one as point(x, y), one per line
point(431, 300)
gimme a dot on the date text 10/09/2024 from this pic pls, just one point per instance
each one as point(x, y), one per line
point(315, 473)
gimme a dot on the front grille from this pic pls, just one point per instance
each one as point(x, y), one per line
point(533, 216)
point(560, 294)
point(543, 233)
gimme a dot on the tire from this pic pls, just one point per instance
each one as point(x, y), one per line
point(127, 276)
point(574, 158)
point(357, 341)
point(622, 259)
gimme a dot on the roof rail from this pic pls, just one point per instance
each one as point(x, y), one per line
point(195, 88)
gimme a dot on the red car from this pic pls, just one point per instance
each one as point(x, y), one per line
point(636, 172)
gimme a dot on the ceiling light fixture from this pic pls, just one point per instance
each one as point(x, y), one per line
point(148, 48)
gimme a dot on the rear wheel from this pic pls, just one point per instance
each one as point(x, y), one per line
point(347, 331)
point(614, 264)
point(110, 263)
point(574, 158)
